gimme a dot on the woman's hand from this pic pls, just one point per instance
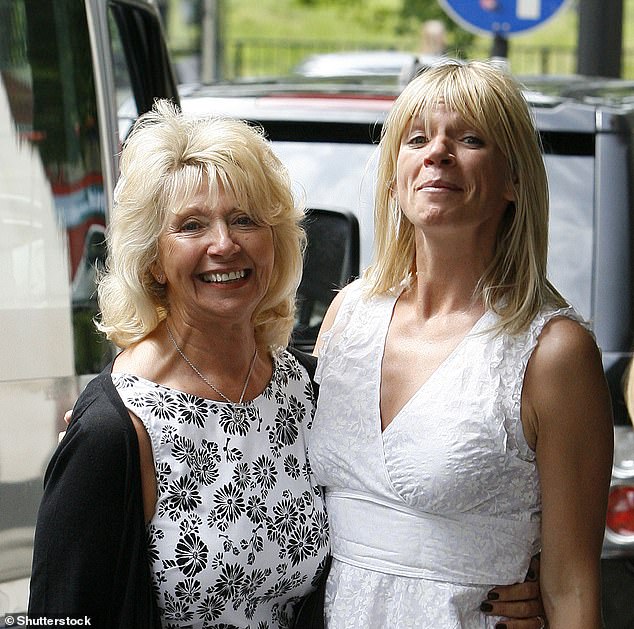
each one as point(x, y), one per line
point(519, 604)
point(67, 417)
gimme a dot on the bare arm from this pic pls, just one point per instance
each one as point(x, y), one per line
point(566, 408)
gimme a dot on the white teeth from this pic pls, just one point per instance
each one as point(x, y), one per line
point(219, 278)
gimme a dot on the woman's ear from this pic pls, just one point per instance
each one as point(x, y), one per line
point(393, 191)
point(157, 273)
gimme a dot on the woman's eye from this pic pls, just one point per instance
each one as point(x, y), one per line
point(473, 140)
point(243, 221)
point(190, 225)
point(417, 139)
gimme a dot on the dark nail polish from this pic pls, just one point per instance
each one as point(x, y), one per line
point(500, 625)
point(493, 596)
point(486, 607)
point(530, 575)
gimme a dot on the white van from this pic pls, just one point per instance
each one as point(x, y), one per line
point(66, 68)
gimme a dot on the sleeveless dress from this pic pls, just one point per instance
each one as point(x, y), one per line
point(426, 516)
point(240, 530)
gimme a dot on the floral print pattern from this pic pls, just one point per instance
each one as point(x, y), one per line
point(240, 532)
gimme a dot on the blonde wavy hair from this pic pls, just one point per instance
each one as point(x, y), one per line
point(488, 98)
point(165, 160)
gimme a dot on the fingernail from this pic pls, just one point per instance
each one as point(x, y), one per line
point(493, 596)
point(500, 625)
point(486, 607)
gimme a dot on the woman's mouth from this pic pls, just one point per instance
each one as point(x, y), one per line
point(223, 278)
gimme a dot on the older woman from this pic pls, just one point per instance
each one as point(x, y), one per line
point(464, 421)
point(197, 429)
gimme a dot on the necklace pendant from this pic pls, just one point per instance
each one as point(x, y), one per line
point(239, 413)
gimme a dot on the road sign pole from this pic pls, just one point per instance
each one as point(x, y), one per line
point(600, 38)
point(500, 46)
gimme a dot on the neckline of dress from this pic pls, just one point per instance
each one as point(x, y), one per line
point(475, 329)
point(158, 385)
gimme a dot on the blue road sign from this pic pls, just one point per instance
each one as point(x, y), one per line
point(501, 17)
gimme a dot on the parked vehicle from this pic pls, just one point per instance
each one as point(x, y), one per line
point(65, 68)
point(382, 67)
point(326, 134)
point(375, 65)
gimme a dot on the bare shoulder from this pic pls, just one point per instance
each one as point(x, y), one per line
point(565, 342)
point(146, 358)
point(565, 384)
point(566, 359)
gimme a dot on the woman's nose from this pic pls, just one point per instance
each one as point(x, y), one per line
point(221, 240)
point(438, 152)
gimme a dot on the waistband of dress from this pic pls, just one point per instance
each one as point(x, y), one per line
point(390, 537)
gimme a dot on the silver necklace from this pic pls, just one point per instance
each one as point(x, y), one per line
point(200, 375)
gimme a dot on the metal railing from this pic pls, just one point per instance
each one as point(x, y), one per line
point(255, 57)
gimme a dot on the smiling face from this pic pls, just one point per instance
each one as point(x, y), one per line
point(448, 174)
point(214, 260)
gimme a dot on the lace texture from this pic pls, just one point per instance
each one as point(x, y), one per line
point(427, 515)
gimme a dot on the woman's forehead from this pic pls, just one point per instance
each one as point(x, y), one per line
point(429, 116)
point(205, 191)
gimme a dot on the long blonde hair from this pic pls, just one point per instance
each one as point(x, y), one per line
point(515, 283)
point(165, 160)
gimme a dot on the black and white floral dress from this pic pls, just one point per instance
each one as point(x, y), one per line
point(240, 529)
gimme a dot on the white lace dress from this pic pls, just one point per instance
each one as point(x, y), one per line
point(240, 531)
point(427, 516)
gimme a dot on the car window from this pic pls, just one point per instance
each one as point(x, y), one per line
point(331, 261)
point(335, 176)
point(127, 110)
point(571, 235)
point(52, 184)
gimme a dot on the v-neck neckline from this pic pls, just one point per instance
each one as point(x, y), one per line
point(439, 369)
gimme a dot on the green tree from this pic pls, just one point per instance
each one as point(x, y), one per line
point(410, 16)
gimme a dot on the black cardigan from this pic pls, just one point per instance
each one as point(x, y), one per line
point(90, 553)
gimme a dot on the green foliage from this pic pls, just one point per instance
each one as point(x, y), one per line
point(316, 20)
point(341, 3)
point(298, 27)
point(389, 23)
